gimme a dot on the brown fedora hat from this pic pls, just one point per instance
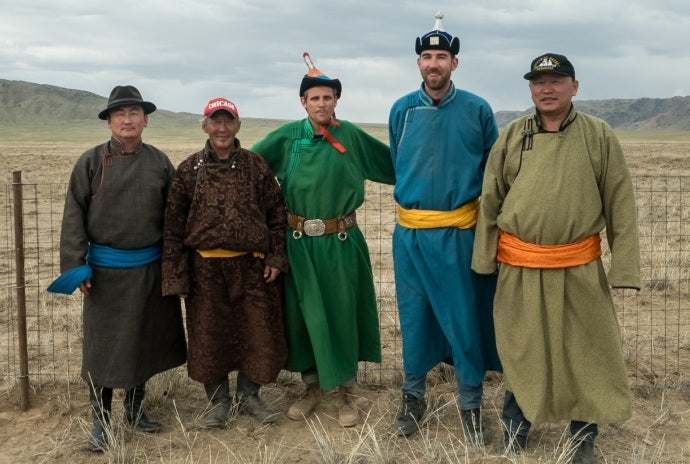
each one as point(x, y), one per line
point(126, 95)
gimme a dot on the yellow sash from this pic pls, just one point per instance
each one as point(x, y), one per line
point(462, 218)
point(221, 253)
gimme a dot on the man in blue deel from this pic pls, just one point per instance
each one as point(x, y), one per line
point(440, 137)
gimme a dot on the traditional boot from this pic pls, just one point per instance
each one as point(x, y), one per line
point(348, 415)
point(474, 426)
point(219, 396)
point(304, 406)
point(134, 413)
point(410, 416)
point(101, 401)
point(249, 403)
point(511, 444)
point(584, 454)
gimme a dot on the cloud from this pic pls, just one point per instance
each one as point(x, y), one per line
point(182, 53)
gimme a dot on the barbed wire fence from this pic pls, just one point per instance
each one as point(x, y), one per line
point(655, 322)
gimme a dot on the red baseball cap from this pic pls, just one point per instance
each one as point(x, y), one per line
point(221, 104)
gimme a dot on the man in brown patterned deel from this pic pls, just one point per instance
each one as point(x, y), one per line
point(224, 252)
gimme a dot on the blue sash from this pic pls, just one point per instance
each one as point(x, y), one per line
point(103, 256)
point(68, 282)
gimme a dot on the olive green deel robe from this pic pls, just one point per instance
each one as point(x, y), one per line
point(557, 331)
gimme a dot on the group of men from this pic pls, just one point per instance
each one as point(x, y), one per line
point(264, 248)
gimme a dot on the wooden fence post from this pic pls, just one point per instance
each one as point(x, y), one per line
point(21, 289)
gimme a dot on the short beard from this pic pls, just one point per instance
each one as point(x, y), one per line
point(437, 85)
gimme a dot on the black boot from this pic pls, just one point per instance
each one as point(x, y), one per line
point(584, 453)
point(101, 401)
point(249, 403)
point(134, 413)
point(219, 396)
point(511, 444)
point(472, 421)
point(410, 416)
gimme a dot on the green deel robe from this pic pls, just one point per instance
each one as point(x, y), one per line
point(556, 329)
point(331, 317)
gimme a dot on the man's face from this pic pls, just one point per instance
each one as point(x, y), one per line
point(435, 67)
point(127, 122)
point(320, 103)
point(221, 128)
point(552, 93)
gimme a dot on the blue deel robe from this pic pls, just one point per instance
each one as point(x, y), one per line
point(445, 309)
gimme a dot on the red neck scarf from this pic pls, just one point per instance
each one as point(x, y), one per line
point(324, 130)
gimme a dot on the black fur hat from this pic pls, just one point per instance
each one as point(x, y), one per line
point(437, 39)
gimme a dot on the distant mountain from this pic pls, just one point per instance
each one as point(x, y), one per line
point(38, 105)
point(634, 114)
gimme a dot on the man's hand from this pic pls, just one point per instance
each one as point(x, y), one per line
point(85, 286)
point(270, 273)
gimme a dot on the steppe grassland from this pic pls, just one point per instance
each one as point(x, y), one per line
point(55, 429)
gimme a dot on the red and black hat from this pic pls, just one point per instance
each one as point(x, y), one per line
point(221, 104)
point(315, 78)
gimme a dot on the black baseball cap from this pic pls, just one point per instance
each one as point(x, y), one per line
point(550, 63)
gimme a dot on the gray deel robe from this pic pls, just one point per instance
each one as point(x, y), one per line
point(131, 331)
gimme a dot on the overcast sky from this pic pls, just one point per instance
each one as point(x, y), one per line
point(181, 53)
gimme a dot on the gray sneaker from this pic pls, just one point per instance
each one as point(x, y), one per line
point(411, 415)
point(251, 405)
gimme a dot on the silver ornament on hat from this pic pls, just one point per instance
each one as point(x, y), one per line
point(438, 25)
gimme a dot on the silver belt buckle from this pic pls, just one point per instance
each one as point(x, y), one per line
point(314, 227)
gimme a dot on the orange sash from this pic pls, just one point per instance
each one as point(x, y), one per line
point(513, 251)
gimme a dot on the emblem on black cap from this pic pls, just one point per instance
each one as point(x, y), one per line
point(437, 39)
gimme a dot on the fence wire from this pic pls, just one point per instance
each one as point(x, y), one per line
point(655, 322)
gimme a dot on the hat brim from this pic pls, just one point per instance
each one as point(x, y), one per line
point(451, 45)
point(147, 106)
point(225, 110)
point(308, 82)
point(532, 74)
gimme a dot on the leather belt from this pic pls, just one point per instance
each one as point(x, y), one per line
point(318, 227)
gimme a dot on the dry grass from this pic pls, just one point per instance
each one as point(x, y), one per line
point(178, 403)
point(54, 430)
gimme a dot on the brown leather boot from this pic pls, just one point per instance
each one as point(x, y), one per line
point(348, 415)
point(303, 407)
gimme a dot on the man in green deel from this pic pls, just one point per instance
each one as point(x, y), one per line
point(331, 317)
